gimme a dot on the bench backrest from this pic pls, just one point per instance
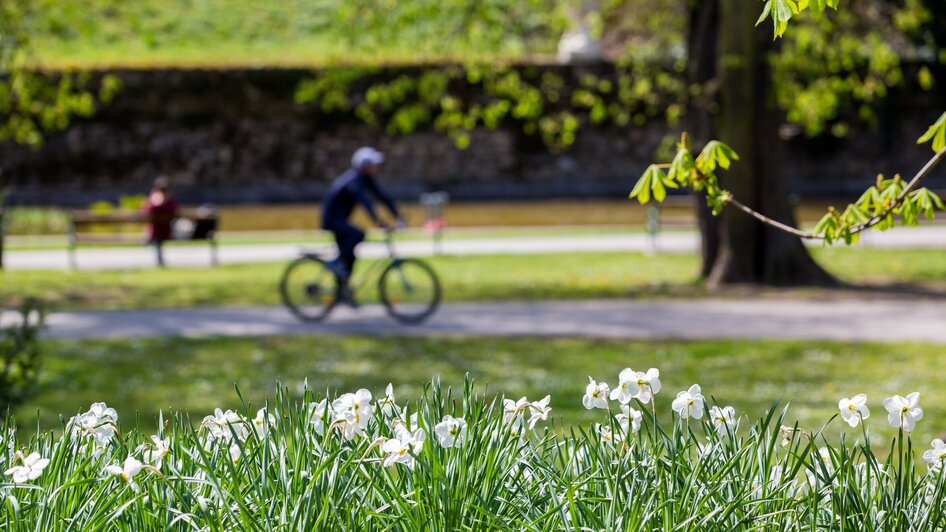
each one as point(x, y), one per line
point(86, 222)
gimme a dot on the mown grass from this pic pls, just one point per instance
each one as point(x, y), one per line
point(146, 376)
point(465, 278)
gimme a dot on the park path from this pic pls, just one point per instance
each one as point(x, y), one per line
point(880, 320)
point(930, 236)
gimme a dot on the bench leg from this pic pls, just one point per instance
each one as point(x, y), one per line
point(73, 265)
point(214, 259)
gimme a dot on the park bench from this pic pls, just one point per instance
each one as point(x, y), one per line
point(128, 227)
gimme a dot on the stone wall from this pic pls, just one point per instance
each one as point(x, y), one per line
point(237, 136)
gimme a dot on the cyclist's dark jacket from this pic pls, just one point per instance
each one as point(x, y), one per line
point(348, 189)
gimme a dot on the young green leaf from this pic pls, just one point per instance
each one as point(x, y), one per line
point(781, 11)
point(657, 187)
point(936, 133)
point(870, 201)
point(642, 189)
point(683, 168)
point(817, 6)
point(827, 226)
point(715, 154)
point(928, 202)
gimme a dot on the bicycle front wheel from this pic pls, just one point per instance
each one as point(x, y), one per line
point(309, 288)
point(409, 290)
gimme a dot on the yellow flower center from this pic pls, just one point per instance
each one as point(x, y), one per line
point(905, 409)
point(402, 452)
point(641, 382)
point(851, 408)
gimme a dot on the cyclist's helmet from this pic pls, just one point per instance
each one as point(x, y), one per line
point(366, 155)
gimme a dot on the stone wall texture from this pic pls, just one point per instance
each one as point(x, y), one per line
point(230, 136)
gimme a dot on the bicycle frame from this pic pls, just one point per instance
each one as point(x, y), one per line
point(375, 268)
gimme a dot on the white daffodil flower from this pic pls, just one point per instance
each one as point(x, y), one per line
point(936, 456)
point(387, 405)
point(854, 410)
point(98, 423)
point(408, 423)
point(705, 450)
point(403, 447)
point(30, 469)
point(356, 410)
point(342, 404)
point(512, 410)
point(689, 403)
point(235, 452)
point(636, 385)
point(724, 419)
point(225, 425)
point(606, 435)
point(539, 411)
point(155, 455)
point(352, 426)
point(596, 395)
point(262, 423)
point(413, 439)
point(318, 416)
point(451, 431)
point(396, 452)
point(356, 402)
point(126, 471)
point(825, 455)
point(904, 411)
point(629, 417)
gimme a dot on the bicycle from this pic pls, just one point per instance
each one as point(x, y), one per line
point(408, 288)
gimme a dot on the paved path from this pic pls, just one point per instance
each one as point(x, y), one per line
point(889, 321)
point(932, 236)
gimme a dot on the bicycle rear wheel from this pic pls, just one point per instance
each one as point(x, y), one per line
point(409, 290)
point(309, 288)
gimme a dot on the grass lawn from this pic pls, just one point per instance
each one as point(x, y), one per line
point(463, 278)
point(145, 376)
point(467, 278)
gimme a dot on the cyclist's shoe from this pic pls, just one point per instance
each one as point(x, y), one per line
point(348, 297)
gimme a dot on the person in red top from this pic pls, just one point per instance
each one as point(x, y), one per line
point(161, 208)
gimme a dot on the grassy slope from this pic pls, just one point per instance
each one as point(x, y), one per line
point(510, 277)
point(147, 375)
point(221, 33)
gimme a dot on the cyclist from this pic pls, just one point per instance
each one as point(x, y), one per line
point(355, 185)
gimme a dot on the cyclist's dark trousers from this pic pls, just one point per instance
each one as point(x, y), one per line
point(347, 236)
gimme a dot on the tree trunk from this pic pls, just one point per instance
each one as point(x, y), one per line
point(748, 121)
point(700, 72)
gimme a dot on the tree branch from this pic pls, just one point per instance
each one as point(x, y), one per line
point(770, 222)
point(927, 168)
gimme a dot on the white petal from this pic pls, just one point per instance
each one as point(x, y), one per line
point(913, 398)
point(892, 404)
